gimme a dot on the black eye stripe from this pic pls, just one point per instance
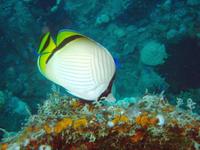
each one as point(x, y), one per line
point(63, 43)
point(46, 44)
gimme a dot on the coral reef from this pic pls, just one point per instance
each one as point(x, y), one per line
point(148, 123)
point(153, 53)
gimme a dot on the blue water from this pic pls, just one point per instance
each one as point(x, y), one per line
point(127, 28)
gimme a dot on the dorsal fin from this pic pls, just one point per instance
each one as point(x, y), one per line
point(63, 34)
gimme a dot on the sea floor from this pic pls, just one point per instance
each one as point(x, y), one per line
point(149, 122)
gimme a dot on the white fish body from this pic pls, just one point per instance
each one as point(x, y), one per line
point(84, 69)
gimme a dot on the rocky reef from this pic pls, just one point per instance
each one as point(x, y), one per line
point(150, 122)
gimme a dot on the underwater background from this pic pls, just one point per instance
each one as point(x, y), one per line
point(155, 44)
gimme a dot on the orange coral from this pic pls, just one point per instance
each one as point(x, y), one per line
point(80, 123)
point(121, 129)
point(153, 121)
point(139, 135)
point(58, 127)
point(63, 124)
point(144, 121)
point(4, 146)
point(67, 122)
point(188, 126)
point(120, 119)
point(47, 129)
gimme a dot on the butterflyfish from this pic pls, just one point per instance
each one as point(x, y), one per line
point(79, 64)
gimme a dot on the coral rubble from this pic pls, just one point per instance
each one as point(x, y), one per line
point(148, 123)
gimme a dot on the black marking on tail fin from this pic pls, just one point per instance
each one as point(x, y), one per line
point(63, 43)
point(108, 90)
